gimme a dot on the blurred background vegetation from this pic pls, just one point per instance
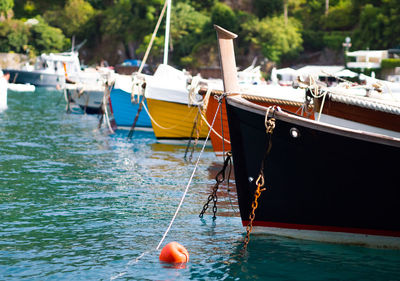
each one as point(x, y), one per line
point(275, 31)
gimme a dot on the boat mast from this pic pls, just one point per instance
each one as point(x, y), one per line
point(167, 24)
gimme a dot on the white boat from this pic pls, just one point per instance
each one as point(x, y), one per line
point(50, 70)
point(89, 89)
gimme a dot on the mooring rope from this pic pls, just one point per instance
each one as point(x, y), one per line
point(190, 181)
point(213, 130)
point(133, 261)
point(107, 92)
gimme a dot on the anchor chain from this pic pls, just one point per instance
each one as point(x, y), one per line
point(219, 178)
point(270, 126)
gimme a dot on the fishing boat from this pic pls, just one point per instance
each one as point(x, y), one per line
point(50, 70)
point(125, 106)
point(174, 118)
point(309, 179)
point(89, 88)
point(88, 97)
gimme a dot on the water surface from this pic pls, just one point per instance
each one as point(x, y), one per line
point(79, 203)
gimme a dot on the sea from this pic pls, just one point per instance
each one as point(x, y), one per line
point(78, 202)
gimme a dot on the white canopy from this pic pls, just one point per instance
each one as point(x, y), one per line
point(319, 70)
point(167, 84)
point(346, 73)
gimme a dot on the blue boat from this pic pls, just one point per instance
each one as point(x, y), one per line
point(124, 110)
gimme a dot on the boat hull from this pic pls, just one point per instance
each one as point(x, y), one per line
point(125, 111)
point(174, 121)
point(327, 184)
point(221, 129)
point(356, 116)
point(90, 101)
point(36, 78)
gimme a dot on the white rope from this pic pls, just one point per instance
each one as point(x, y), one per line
point(106, 111)
point(179, 206)
point(212, 129)
point(194, 89)
point(190, 180)
point(137, 87)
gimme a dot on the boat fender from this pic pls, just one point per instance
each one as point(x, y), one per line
point(174, 252)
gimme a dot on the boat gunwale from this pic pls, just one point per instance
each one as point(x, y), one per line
point(242, 103)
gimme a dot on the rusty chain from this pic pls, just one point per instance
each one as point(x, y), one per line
point(219, 178)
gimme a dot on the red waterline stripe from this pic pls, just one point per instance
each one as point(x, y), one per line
point(325, 228)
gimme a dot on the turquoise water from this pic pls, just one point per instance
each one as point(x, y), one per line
point(79, 203)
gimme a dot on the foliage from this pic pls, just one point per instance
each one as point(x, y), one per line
point(75, 15)
point(334, 39)
point(373, 24)
point(276, 39)
point(313, 40)
point(187, 26)
point(45, 38)
point(339, 17)
point(390, 63)
point(156, 49)
point(223, 15)
point(5, 6)
point(14, 36)
point(203, 4)
point(264, 8)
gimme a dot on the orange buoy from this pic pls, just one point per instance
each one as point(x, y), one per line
point(174, 252)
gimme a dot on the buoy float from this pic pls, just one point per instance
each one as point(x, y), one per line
point(174, 252)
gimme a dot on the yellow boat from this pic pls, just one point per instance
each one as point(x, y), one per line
point(172, 118)
point(175, 121)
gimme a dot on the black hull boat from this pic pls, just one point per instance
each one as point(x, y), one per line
point(36, 78)
point(323, 182)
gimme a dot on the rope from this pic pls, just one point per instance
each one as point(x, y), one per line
point(107, 92)
point(153, 37)
point(339, 94)
point(176, 212)
point(142, 65)
point(212, 129)
point(187, 186)
point(271, 100)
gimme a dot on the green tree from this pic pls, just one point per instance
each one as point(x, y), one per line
point(5, 7)
point(186, 33)
point(276, 40)
point(202, 5)
point(14, 36)
point(370, 33)
point(129, 21)
point(73, 18)
point(339, 17)
point(264, 8)
point(45, 38)
point(224, 16)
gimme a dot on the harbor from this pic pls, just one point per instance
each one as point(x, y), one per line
point(79, 203)
point(221, 143)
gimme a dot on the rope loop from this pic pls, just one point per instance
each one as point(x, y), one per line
point(137, 87)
